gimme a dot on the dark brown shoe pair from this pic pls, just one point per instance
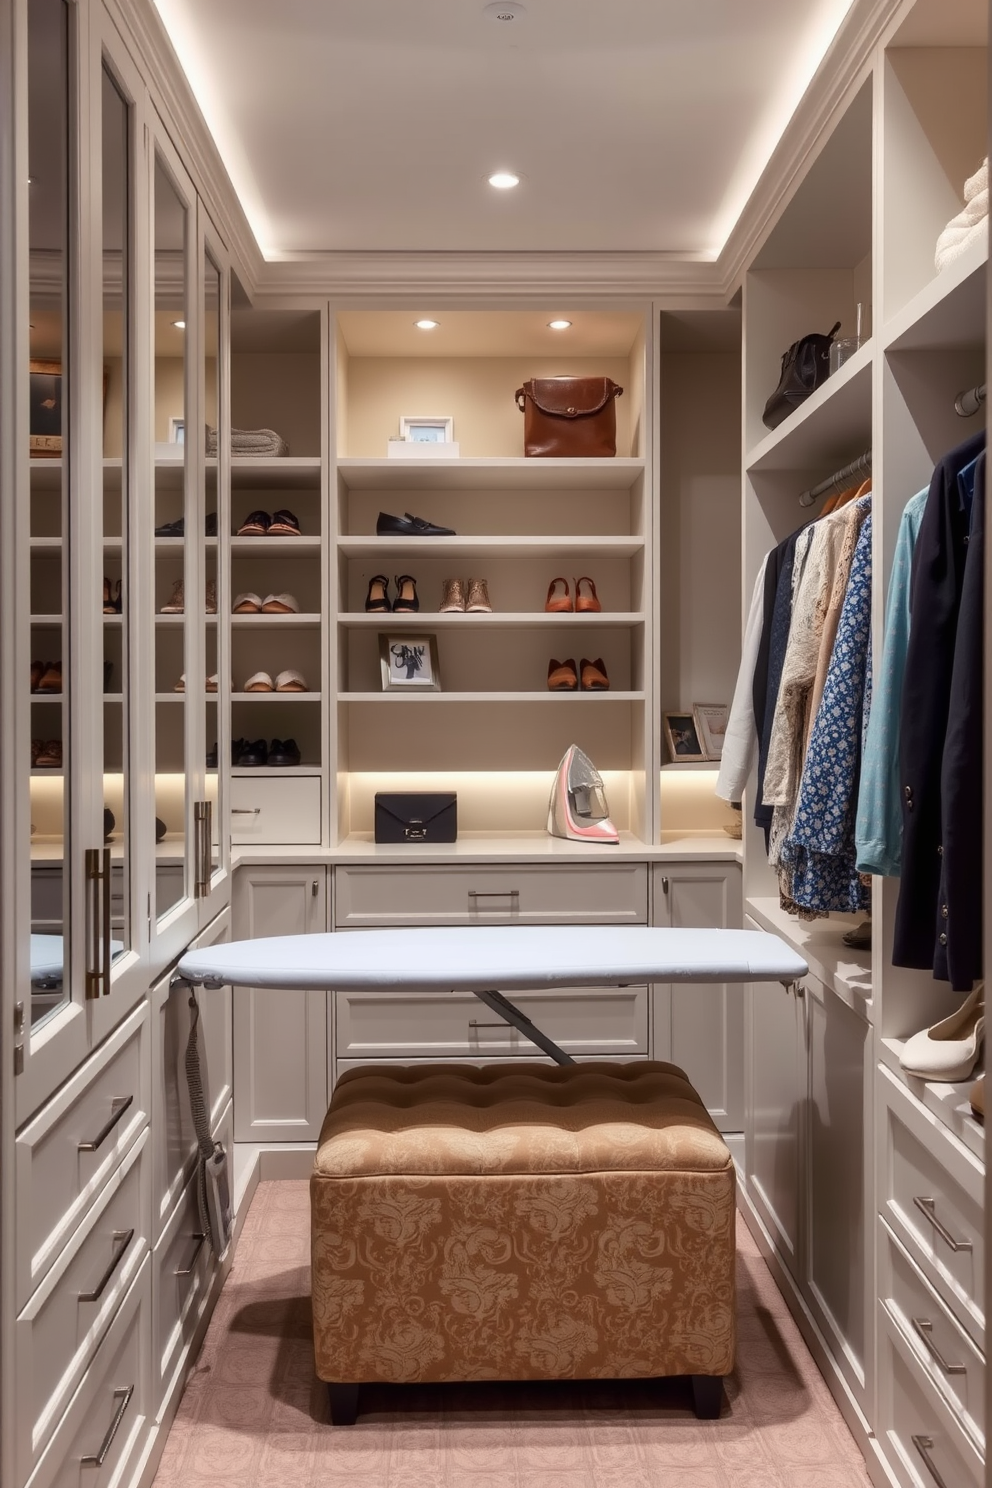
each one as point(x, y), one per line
point(563, 677)
point(46, 676)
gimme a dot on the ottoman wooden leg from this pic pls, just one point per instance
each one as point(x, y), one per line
point(344, 1404)
point(707, 1395)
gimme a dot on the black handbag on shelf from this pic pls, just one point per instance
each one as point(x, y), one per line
point(805, 366)
point(416, 816)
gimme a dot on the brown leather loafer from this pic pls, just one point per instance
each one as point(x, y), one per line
point(562, 676)
point(594, 678)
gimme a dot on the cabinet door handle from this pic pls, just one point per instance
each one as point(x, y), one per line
point(97, 873)
point(118, 1106)
point(314, 890)
point(924, 1329)
point(924, 1445)
point(929, 1207)
point(97, 1459)
point(246, 810)
point(202, 824)
point(123, 1239)
point(188, 1270)
point(665, 885)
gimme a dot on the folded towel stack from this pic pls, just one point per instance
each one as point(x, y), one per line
point(971, 224)
point(250, 442)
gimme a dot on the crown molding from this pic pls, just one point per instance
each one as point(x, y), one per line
point(398, 276)
point(145, 36)
point(846, 63)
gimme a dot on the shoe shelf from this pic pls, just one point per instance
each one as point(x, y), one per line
point(834, 423)
point(276, 473)
point(254, 771)
point(947, 313)
point(45, 697)
point(279, 622)
point(274, 697)
point(51, 620)
point(424, 475)
point(175, 544)
point(557, 548)
point(284, 547)
point(523, 620)
point(179, 619)
point(401, 697)
point(945, 1099)
point(820, 943)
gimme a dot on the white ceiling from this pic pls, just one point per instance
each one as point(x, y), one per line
point(373, 124)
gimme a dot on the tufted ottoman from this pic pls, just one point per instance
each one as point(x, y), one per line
point(517, 1222)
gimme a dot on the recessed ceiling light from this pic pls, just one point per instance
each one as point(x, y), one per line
point(180, 325)
point(559, 325)
point(504, 11)
point(504, 180)
point(426, 325)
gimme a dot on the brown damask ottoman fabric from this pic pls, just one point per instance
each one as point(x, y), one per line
point(521, 1222)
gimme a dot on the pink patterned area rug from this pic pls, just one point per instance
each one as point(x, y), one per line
point(253, 1416)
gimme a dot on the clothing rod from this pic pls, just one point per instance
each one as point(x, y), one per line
point(965, 404)
point(860, 466)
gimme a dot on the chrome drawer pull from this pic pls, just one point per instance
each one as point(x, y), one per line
point(928, 1207)
point(494, 893)
point(246, 810)
point(188, 1270)
point(475, 1023)
point(118, 1106)
point(924, 1328)
point(97, 1460)
point(924, 1445)
point(123, 1238)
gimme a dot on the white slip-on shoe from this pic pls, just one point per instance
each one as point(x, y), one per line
point(247, 604)
point(280, 604)
point(259, 682)
point(950, 1049)
point(291, 681)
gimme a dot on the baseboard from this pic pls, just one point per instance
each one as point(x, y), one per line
point(855, 1420)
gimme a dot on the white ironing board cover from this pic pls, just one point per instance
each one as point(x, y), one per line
point(496, 957)
point(46, 954)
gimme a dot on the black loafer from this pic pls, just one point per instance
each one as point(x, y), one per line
point(408, 526)
point(254, 754)
point(284, 752)
point(172, 529)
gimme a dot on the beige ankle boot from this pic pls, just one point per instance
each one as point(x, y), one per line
point(478, 596)
point(453, 597)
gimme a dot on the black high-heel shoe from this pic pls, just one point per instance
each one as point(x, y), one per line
point(118, 598)
point(406, 594)
point(377, 599)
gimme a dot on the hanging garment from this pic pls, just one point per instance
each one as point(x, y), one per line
point(831, 548)
point(935, 596)
point(817, 859)
point(878, 829)
point(741, 736)
point(778, 640)
point(958, 950)
point(831, 620)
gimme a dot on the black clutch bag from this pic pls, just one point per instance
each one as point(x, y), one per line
point(416, 816)
point(805, 366)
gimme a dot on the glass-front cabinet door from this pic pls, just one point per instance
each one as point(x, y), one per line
point(212, 846)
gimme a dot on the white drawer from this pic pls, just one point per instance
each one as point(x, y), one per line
point(173, 1137)
point(66, 1153)
point(183, 1268)
point(943, 1349)
point(466, 895)
point(917, 1430)
point(58, 1332)
point(342, 1065)
point(583, 1020)
point(108, 1415)
point(932, 1197)
point(275, 809)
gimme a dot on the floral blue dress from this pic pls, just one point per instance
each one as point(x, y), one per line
point(818, 855)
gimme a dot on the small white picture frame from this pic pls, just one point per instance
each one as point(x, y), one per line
point(409, 663)
point(711, 726)
point(426, 430)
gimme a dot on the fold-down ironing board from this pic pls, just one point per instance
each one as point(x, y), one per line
point(491, 960)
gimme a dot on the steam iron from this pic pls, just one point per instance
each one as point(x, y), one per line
point(577, 809)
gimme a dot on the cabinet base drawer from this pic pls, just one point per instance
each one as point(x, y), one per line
point(932, 1198)
point(917, 1429)
point(275, 811)
point(589, 1021)
point(523, 893)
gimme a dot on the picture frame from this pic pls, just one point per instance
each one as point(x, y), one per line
point(409, 663)
point(422, 429)
point(682, 738)
point(45, 405)
point(711, 726)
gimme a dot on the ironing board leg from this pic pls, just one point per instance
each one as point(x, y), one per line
point(497, 1003)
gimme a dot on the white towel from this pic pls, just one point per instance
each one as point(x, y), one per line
point(970, 224)
point(250, 442)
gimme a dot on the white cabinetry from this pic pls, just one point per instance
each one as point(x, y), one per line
point(700, 1027)
point(280, 1038)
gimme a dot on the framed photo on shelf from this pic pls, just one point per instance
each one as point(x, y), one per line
point(427, 430)
point(45, 403)
point(682, 738)
point(409, 663)
point(711, 727)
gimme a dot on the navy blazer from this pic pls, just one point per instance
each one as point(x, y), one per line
point(958, 953)
point(935, 598)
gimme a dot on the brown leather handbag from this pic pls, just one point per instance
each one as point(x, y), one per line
point(569, 417)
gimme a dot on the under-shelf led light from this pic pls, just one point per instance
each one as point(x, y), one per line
point(504, 180)
point(559, 325)
point(426, 325)
point(180, 325)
